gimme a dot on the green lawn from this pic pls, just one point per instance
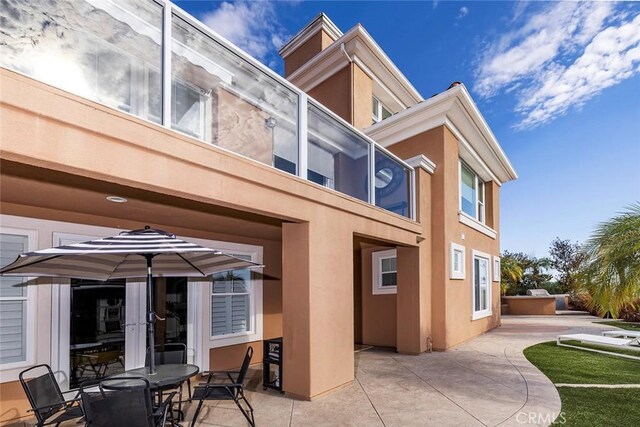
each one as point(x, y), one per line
point(572, 366)
point(630, 326)
point(599, 407)
point(590, 406)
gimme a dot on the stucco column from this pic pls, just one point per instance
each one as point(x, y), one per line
point(317, 268)
point(413, 300)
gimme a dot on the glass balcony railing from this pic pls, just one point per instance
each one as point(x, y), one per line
point(151, 59)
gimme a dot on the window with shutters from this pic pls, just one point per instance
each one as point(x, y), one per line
point(16, 302)
point(236, 305)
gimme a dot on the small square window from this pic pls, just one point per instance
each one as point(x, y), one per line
point(384, 272)
point(496, 269)
point(457, 261)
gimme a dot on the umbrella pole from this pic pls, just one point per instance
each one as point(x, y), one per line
point(151, 319)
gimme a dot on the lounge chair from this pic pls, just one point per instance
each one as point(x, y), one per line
point(617, 343)
point(622, 333)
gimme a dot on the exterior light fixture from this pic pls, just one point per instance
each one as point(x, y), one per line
point(271, 122)
point(116, 199)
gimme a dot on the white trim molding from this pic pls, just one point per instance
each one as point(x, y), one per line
point(423, 162)
point(391, 86)
point(460, 272)
point(320, 23)
point(497, 263)
point(476, 225)
point(376, 272)
point(488, 311)
point(455, 109)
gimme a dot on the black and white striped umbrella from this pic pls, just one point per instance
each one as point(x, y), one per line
point(138, 253)
point(124, 256)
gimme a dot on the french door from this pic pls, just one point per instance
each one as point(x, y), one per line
point(98, 328)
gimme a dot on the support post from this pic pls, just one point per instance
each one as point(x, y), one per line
point(151, 317)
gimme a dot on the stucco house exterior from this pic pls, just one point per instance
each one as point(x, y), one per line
point(375, 211)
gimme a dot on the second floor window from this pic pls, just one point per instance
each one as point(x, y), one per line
point(472, 197)
point(380, 112)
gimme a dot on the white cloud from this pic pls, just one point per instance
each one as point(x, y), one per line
point(464, 11)
point(251, 25)
point(612, 56)
point(560, 57)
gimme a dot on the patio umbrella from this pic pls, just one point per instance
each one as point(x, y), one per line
point(150, 252)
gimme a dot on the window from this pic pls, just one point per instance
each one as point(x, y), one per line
point(236, 305)
point(481, 290)
point(16, 302)
point(472, 195)
point(379, 111)
point(496, 269)
point(231, 302)
point(457, 270)
point(384, 272)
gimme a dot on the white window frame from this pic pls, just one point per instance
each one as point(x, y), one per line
point(376, 272)
point(255, 301)
point(480, 210)
point(480, 314)
point(460, 273)
point(496, 268)
point(10, 371)
point(376, 116)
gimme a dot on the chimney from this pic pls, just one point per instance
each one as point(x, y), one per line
point(316, 36)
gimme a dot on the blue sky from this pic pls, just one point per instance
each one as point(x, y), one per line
point(558, 82)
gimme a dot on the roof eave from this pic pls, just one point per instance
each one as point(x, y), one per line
point(438, 111)
point(394, 76)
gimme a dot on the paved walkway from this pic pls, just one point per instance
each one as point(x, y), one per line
point(484, 382)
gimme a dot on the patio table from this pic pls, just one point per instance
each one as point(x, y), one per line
point(165, 375)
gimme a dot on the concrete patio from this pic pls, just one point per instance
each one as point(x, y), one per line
point(484, 382)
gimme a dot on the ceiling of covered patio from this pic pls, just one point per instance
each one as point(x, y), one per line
point(31, 191)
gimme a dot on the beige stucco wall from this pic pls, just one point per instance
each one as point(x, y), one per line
point(529, 305)
point(451, 299)
point(349, 94)
point(314, 45)
point(378, 311)
point(335, 93)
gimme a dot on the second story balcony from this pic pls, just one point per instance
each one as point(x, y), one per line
point(152, 60)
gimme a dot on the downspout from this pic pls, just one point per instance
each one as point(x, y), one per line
point(351, 82)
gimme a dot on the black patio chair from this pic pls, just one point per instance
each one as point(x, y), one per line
point(231, 389)
point(124, 402)
point(45, 397)
point(171, 353)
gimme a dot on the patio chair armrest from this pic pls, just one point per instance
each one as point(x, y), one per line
point(213, 373)
point(83, 386)
point(65, 403)
point(219, 385)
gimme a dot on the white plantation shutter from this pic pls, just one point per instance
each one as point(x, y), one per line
point(13, 303)
point(231, 295)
